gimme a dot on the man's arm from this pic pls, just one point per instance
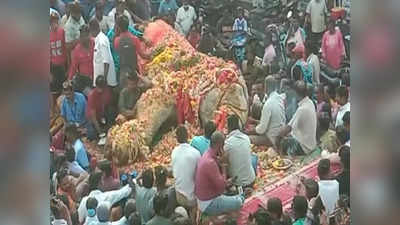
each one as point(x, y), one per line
point(92, 114)
point(262, 127)
point(115, 196)
point(73, 67)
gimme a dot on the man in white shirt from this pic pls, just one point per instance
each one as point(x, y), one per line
point(104, 21)
point(312, 59)
point(184, 162)
point(316, 15)
point(328, 187)
point(120, 9)
point(342, 96)
point(73, 25)
point(237, 146)
point(272, 116)
point(103, 61)
point(300, 134)
point(185, 17)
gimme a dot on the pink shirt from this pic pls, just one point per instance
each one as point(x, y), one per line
point(269, 55)
point(333, 48)
point(209, 180)
point(57, 47)
point(82, 60)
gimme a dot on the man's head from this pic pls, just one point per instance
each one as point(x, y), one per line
point(160, 203)
point(185, 4)
point(311, 187)
point(134, 219)
point(106, 168)
point(300, 206)
point(148, 178)
point(132, 81)
point(324, 121)
point(258, 88)
point(344, 154)
point(331, 25)
point(342, 95)
point(274, 207)
point(233, 123)
point(94, 180)
point(297, 73)
point(324, 169)
point(94, 27)
point(209, 129)
point(65, 180)
point(123, 23)
point(130, 207)
point(161, 175)
point(240, 12)
point(271, 84)
point(103, 212)
point(342, 135)
point(346, 120)
point(217, 142)
point(99, 9)
point(71, 133)
point(100, 83)
point(294, 20)
point(68, 91)
point(91, 206)
point(84, 37)
point(70, 154)
point(262, 217)
point(301, 89)
point(120, 6)
point(75, 11)
point(181, 134)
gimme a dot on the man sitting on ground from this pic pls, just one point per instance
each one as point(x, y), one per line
point(211, 181)
point(160, 203)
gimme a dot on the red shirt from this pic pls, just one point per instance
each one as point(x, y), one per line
point(82, 60)
point(209, 180)
point(97, 102)
point(138, 44)
point(57, 47)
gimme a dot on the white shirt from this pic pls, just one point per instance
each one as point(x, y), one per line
point(75, 168)
point(111, 197)
point(304, 125)
point(341, 111)
point(105, 24)
point(72, 29)
point(329, 193)
point(185, 19)
point(111, 16)
point(59, 222)
point(272, 117)
point(240, 25)
point(102, 54)
point(237, 145)
point(184, 160)
point(317, 11)
point(269, 55)
point(314, 62)
point(91, 220)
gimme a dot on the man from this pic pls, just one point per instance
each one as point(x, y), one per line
point(120, 9)
point(160, 203)
point(72, 137)
point(91, 207)
point(342, 97)
point(145, 195)
point(240, 24)
point(104, 21)
point(73, 166)
point(328, 187)
point(344, 177)
point(131, 93)
point(312, 195)
point(103, 61)
point(328, 139)
point(202, 143)
point(73, 106)
point(141, 8)
point(302, 127)
point(312, 59)
point(58, 48)
point(315, 15)
point(211, 181)
point(82, 61)
point(275, 209)
point(60, 212)
point(130, 208)
point(73, 25)
point(300, 210)
point(99, 111)
point(108, 182)
point(73, 188)
point(167, 7)
point(272, 116)
point(103, 213)
point(110, 197)
point(185, 18)
point(237, 146)
point(184, 161)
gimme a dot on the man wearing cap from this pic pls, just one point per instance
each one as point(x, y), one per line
point(185, 18)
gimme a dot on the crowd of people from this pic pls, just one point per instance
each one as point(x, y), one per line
point(97, 51)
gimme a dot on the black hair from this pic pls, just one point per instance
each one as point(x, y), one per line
point(70, 154)
point(161, 175)
point(301, 88)
point(344, 154)
point(326, 107)
point(233, 122)
point(129, 209)
point(342, 134)
point(148, 178)
point(100, 81)
point(134, 219)
point(262, 217)
point(94, 25)
point(300, 206)
point(274, 205)
point(94, 180)
point(324, 168)
point(297, 73)
point(346, 118)
point(72, 129)
point(181, 134)
point(312, 188)
point(84, 29)
point(91, 203)
point(342, 92)
point(216, 138)
point(209, 129)
point(160, 203)
point(324, 122)
point(61, 174)
point(123, 23)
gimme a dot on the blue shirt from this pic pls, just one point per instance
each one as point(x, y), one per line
point(74, 113)
point(81, 155)
point(200, 143)
point(167, 7)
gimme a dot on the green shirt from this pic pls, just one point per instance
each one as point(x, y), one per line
point(299, 221)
